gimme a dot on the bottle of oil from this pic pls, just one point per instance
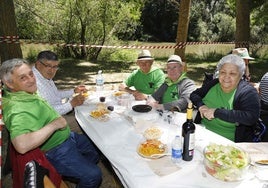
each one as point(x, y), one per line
point(188, 135)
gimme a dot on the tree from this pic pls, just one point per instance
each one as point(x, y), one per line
point(80, 22)
point(159, 20)
point(242, 34)
point(8, 28)
point(183, 24)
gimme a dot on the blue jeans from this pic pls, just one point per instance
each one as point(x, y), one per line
point(76, 158)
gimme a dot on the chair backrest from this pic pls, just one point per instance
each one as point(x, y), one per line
point(259, 131)
point(36, 176)
point(19, 161)
point(207, 77)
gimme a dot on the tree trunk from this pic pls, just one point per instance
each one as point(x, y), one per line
point(183, 24)
point(242, 34)
point(8, 27)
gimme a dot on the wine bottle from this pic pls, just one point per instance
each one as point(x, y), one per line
point(188, 135)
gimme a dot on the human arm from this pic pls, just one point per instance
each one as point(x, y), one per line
point(246, 108)
point(197, 99)
point(31, 140)
point(156, 98)
point(124, 87)
point(197, 95)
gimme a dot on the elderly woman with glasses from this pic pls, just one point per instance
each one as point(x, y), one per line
point(228, 105)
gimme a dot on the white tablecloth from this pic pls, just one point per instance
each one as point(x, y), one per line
point(119, 137)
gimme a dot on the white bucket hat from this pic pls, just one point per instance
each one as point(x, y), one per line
point(242, 52)
point(145, 55)
point(174, 59)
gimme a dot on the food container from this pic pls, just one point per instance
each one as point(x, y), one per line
point(226, 162)
point(125, 100)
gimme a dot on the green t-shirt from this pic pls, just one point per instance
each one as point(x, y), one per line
point(172, 93)
point(146, 83)
point(216, 98)
point(24, 113)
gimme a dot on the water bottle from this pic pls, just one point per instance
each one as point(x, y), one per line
point(99, 81)
point(176, 151)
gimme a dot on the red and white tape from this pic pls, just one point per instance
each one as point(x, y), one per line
point(15, 39)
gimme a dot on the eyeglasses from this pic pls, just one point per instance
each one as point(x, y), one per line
point(56, 67)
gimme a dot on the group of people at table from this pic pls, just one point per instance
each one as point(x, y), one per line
point(36, 117)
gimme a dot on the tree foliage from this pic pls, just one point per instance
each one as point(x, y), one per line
point(110, 22)
point(78, 21)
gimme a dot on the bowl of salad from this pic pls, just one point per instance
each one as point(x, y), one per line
point(226, 162)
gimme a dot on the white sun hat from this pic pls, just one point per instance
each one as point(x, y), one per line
point(145, 55)
point(242, 52)
point(174, 59)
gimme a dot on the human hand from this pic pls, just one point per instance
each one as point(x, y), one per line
point(206, 112)
point(155, 104)
point(139, 96)
point(78, 100)
point(80, 89)
point(122, 87)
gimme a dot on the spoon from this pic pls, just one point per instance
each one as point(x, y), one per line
point(156, 156)
point(262, 162)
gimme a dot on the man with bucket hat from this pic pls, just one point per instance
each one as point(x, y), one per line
point(146, 79)
point(243, 52)
point(175, 92)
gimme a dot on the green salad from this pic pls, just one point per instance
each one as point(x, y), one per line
point(225, 162)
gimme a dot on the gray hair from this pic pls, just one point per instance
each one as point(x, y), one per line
point(235, 60)
point(7, 68)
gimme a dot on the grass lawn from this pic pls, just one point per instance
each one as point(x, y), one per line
point(200, 59)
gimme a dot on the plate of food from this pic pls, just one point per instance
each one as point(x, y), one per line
point(152, 149)
point(101, 113)
point(142, 108)
point(119, 93)
point(152, 133)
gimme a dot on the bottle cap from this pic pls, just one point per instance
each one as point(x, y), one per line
point(190, 105)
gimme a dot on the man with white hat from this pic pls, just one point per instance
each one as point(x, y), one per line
point(146, 79)
point(175, 92)
point(243, 52)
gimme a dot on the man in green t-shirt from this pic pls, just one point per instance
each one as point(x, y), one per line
point(145, 80)
point(33, 123)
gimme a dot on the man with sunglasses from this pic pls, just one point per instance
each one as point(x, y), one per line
point(45, 69)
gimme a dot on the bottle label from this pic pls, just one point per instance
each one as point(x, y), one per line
point(99, 81)
point(192, 141)
point(176, 153)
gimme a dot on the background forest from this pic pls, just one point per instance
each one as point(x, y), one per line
point(125, 22)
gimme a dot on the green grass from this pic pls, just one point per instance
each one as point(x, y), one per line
point(200, 59)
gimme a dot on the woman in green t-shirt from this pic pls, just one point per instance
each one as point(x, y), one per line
point(228, 105)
